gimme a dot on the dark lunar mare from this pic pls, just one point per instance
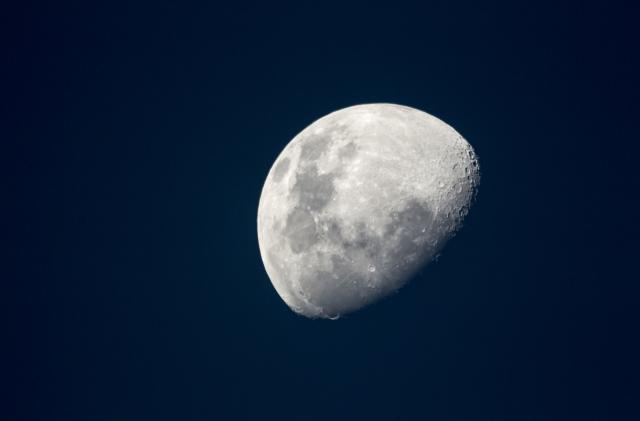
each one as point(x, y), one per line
point(395, 255)
point(339, 291)
point(347, 287)
point(313, 190)
point(409, 230)
point(313, 146)
point(300, 230)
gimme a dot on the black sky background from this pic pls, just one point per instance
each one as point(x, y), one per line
point(138, 138)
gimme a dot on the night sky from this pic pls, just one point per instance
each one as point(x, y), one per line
point(137, 139)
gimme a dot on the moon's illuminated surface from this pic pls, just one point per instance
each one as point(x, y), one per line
point(358, 202)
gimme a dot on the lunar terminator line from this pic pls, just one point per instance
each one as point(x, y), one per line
point(358, 202)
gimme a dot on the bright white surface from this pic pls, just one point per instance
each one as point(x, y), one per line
point(360, 200)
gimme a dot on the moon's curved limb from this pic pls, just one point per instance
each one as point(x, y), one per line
point(358, 202)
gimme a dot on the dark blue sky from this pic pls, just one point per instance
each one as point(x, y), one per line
point(138, 138)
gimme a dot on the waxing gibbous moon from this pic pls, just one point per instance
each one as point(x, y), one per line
point(358, 202)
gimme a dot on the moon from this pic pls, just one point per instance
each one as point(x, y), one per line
point(358, 202)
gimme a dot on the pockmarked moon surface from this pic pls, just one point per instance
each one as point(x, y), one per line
point(358, 202)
